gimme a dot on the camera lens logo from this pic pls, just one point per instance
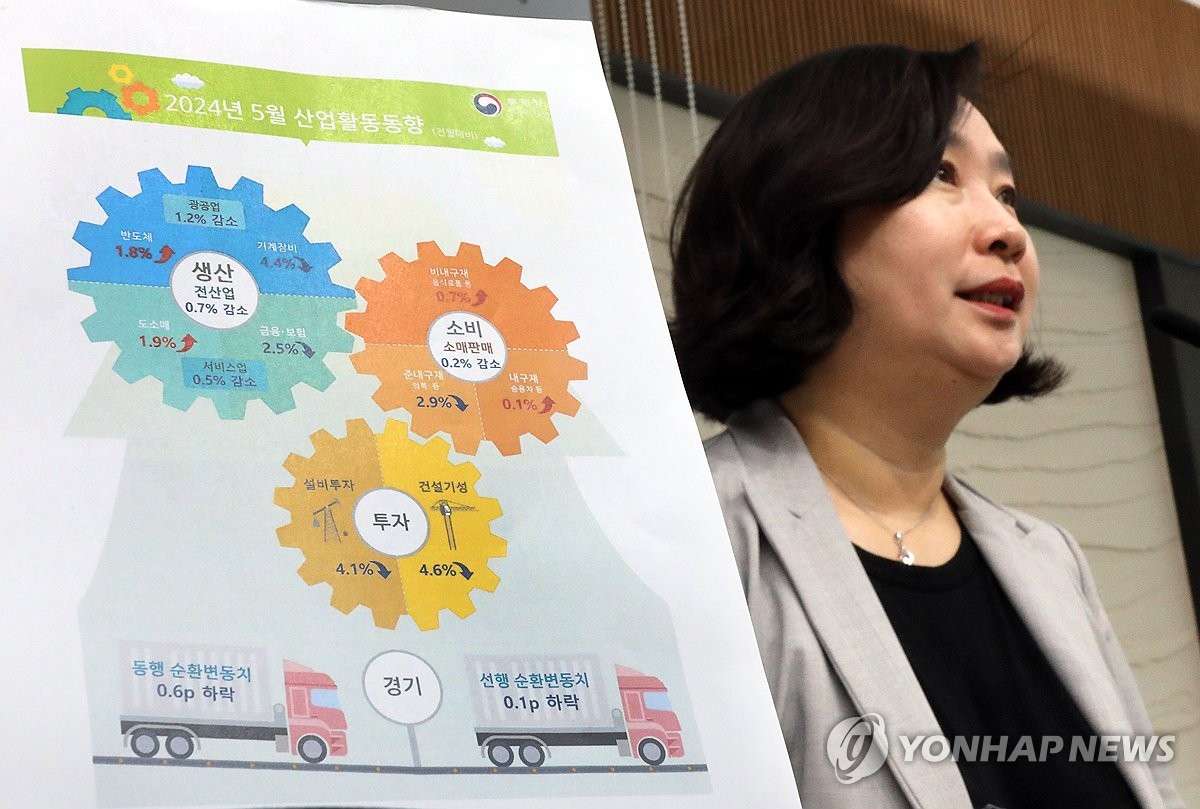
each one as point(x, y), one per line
point(487, 104)
point(857, 747)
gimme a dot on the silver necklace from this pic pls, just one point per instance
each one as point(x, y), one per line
point(903, 552)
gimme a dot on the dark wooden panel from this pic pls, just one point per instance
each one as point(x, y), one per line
point(1098, 100)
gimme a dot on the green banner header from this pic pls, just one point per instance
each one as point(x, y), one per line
point(234, 98)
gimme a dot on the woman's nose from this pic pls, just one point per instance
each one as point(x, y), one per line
point(1002, 235)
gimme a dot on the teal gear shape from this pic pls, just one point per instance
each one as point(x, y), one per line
point(80, 101)
point(135, 305)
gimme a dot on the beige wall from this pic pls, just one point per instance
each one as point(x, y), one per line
point(1089, 457)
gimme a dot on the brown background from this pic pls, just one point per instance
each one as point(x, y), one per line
point(1099, 100)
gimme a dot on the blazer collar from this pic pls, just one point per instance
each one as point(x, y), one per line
point(1035, 566)
point(798, 518)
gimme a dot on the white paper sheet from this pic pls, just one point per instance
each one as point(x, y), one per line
point(357, 416)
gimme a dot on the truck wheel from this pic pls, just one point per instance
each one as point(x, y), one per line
point(652, 752)
point(312, 749)
point(532, 754)
point(144, 743)
point(180, 745)
point(500, 754)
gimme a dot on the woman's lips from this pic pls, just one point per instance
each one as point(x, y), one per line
point(1002, 296)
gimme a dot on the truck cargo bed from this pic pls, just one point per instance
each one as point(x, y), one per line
point(583, 737)
point(206, 729)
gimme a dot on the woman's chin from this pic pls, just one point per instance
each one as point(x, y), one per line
point(986, 371)
point(998, 358)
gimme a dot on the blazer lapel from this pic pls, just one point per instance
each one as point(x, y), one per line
point(798, 519)
point(1028, 562)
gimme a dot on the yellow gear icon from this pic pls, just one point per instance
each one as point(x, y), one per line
point(390, 524)
point(121, 74)
point(466, 348)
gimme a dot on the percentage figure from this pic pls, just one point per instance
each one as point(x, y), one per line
point(158, 341)
point(359, 569)
point(439, 570)
point(451, 296)
point(285, 263)
point(444, 402)
point(199, 308)
point(520, 404)
point(290, 349)
point(134, 252)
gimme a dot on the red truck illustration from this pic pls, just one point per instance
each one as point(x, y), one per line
point(174, 695)
point(526, 705)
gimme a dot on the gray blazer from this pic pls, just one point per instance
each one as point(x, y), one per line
point(829, 650)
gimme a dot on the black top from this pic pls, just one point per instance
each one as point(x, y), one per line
point(985, 676)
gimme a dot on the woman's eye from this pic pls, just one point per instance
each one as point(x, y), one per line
point(1007, 196)
point(946, 173)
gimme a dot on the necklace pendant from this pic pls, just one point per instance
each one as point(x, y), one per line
point(904, 554)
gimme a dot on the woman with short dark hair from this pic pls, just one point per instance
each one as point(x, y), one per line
point(851, 279)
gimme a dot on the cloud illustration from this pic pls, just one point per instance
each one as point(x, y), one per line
point(187, 81)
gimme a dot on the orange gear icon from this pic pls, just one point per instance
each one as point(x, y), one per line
point(128, 93)
point(466, 348)
point(390, 524)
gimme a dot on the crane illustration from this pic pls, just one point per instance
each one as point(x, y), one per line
point(446, 508)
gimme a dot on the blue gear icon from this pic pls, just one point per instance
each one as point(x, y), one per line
point(80, 101)
point(253, 333)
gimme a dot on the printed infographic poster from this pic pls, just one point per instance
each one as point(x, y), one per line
point(346, 459)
